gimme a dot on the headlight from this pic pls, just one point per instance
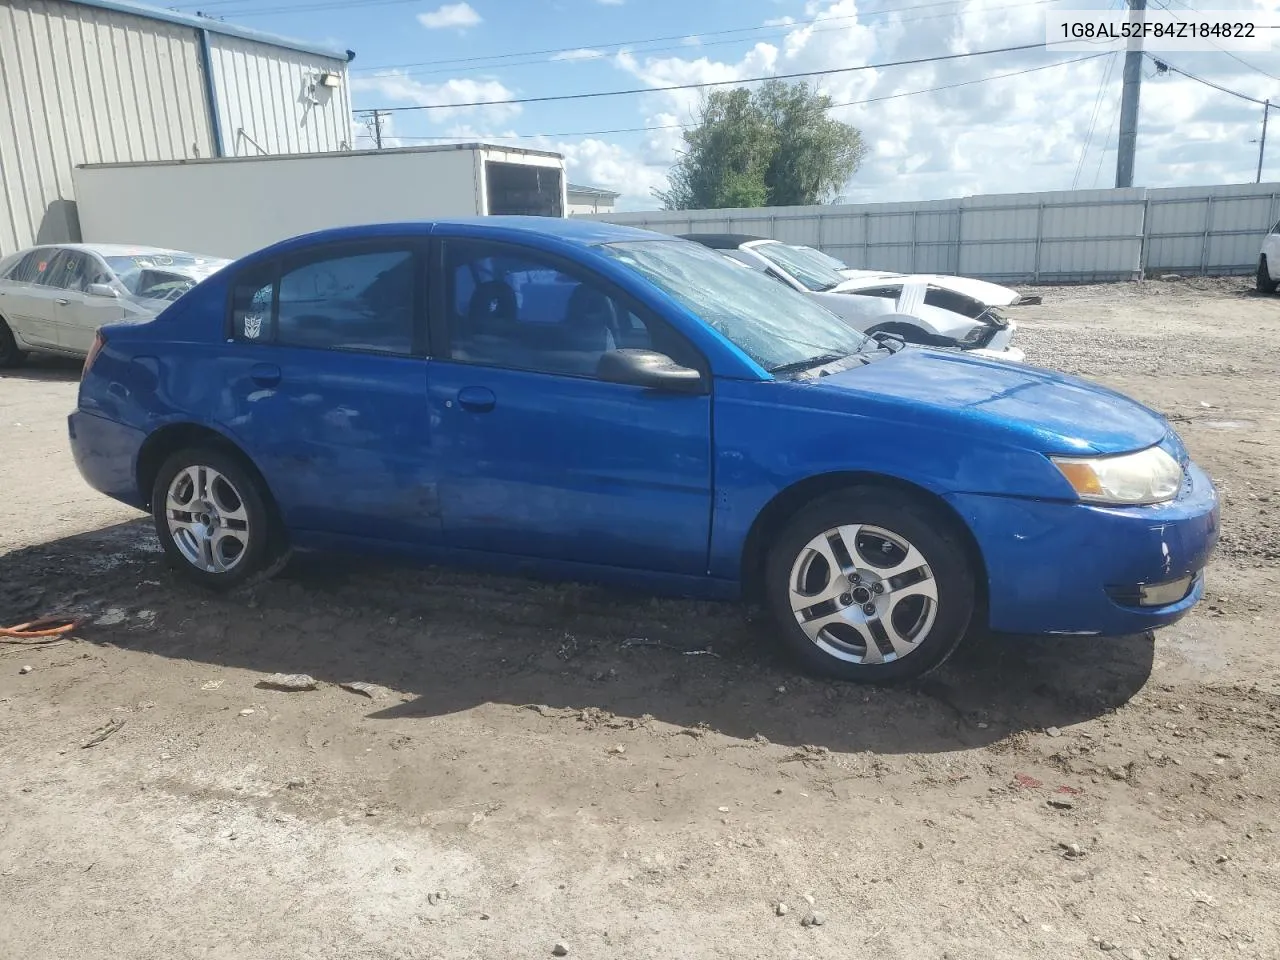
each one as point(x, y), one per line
point(1148, 476)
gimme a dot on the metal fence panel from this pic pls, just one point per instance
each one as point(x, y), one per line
point(1063, 236)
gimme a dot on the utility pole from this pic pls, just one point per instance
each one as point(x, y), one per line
point(1128, 142)
point(1262, 144)
point(377, 129)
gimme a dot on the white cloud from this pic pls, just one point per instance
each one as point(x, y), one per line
point(400, 87)
point(611, 3)
point(582, 53)
point(1015, 134)
point(1001, 134)
point(460, 15)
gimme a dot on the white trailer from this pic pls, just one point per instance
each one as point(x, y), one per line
point(229, 207)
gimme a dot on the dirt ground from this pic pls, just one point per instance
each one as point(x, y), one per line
point(567, 764)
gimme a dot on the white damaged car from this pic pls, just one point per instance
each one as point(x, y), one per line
point(917, 313)
point(984, 291)
point(54, 298)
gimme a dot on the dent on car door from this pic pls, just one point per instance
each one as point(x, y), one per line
point(540, 458)
point(324, 381)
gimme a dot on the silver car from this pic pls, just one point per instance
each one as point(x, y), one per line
point(54, 298)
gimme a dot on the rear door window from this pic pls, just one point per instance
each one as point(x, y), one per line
point(360, 299)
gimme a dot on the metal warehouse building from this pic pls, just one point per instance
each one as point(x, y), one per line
point(107, 81)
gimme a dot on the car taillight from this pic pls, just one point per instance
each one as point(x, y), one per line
point(99, 341)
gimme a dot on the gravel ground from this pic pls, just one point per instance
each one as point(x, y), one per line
point(546, 764)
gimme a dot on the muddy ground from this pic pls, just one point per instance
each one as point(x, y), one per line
point(565, 764)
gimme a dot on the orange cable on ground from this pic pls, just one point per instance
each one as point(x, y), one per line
point(43, 627)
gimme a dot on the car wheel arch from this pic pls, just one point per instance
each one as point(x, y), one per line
point(172, 437)
point(783, 506)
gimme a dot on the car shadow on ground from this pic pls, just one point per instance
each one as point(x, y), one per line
point(451, 641)
point(45, 367)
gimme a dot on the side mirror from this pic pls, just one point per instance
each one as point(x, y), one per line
point(102, 290)
point(645, 368)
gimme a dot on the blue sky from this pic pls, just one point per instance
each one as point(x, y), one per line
point(1054, 128)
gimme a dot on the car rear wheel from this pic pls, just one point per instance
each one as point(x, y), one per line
point(1265, 283)
point(10, 355)
point(213, 519)
point(870, 585)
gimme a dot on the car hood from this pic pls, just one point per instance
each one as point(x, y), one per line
point(1037, 408)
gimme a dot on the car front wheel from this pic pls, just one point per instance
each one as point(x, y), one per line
point(870, 585)
point(1265, 283)
point(213, 519)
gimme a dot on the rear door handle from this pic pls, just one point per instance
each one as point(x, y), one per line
point(265, 374)
point(62, 302)
point(477, 399)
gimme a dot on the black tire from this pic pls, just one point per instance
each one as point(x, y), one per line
point(910, 521)
point(1265, 283)
point(10, 355)
point(265, 551)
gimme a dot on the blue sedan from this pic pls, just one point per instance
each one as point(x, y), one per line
point(581, 400)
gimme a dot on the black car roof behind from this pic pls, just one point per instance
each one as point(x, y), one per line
point(721, 241)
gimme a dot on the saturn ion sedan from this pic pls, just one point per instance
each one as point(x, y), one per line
point(580, 400)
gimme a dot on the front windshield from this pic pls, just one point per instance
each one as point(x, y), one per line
point(804, 266)
point(773, 325)
point(161, 276)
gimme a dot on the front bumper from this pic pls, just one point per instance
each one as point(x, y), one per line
point(999, 347)
point(1057, 567)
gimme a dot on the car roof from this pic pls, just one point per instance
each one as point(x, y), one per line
point(567, 230)
point(722, 241)
point(120, 250)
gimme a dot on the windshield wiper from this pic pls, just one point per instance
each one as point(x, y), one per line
point(798, 365)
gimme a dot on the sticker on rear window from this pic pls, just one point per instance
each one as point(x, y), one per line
point(252, 327)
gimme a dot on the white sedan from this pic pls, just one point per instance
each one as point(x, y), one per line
point(54, 298)
point(936, 317)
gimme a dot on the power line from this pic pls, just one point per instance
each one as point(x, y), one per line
point(595, 94)
point(850, 103)
point(1161, 63)
point(601, 52)
point(1114, 125)
point(1093, 119)
point(662, 39)
point(1240, 60)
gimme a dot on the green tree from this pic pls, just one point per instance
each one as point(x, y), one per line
point(774, 146)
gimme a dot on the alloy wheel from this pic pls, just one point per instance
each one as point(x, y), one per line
point(207, 519)
point(863, 594)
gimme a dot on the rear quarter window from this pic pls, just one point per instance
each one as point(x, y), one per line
point(252, 304)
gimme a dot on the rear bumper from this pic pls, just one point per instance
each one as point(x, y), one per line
point(1059, 567)
point(106, 453)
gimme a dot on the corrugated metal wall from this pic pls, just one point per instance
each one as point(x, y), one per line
point(270, 99)
point(1067, 236)
point(85, 85)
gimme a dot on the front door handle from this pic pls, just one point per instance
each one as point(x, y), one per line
point(265, 374)
point(61, 301)
point(477, 399)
